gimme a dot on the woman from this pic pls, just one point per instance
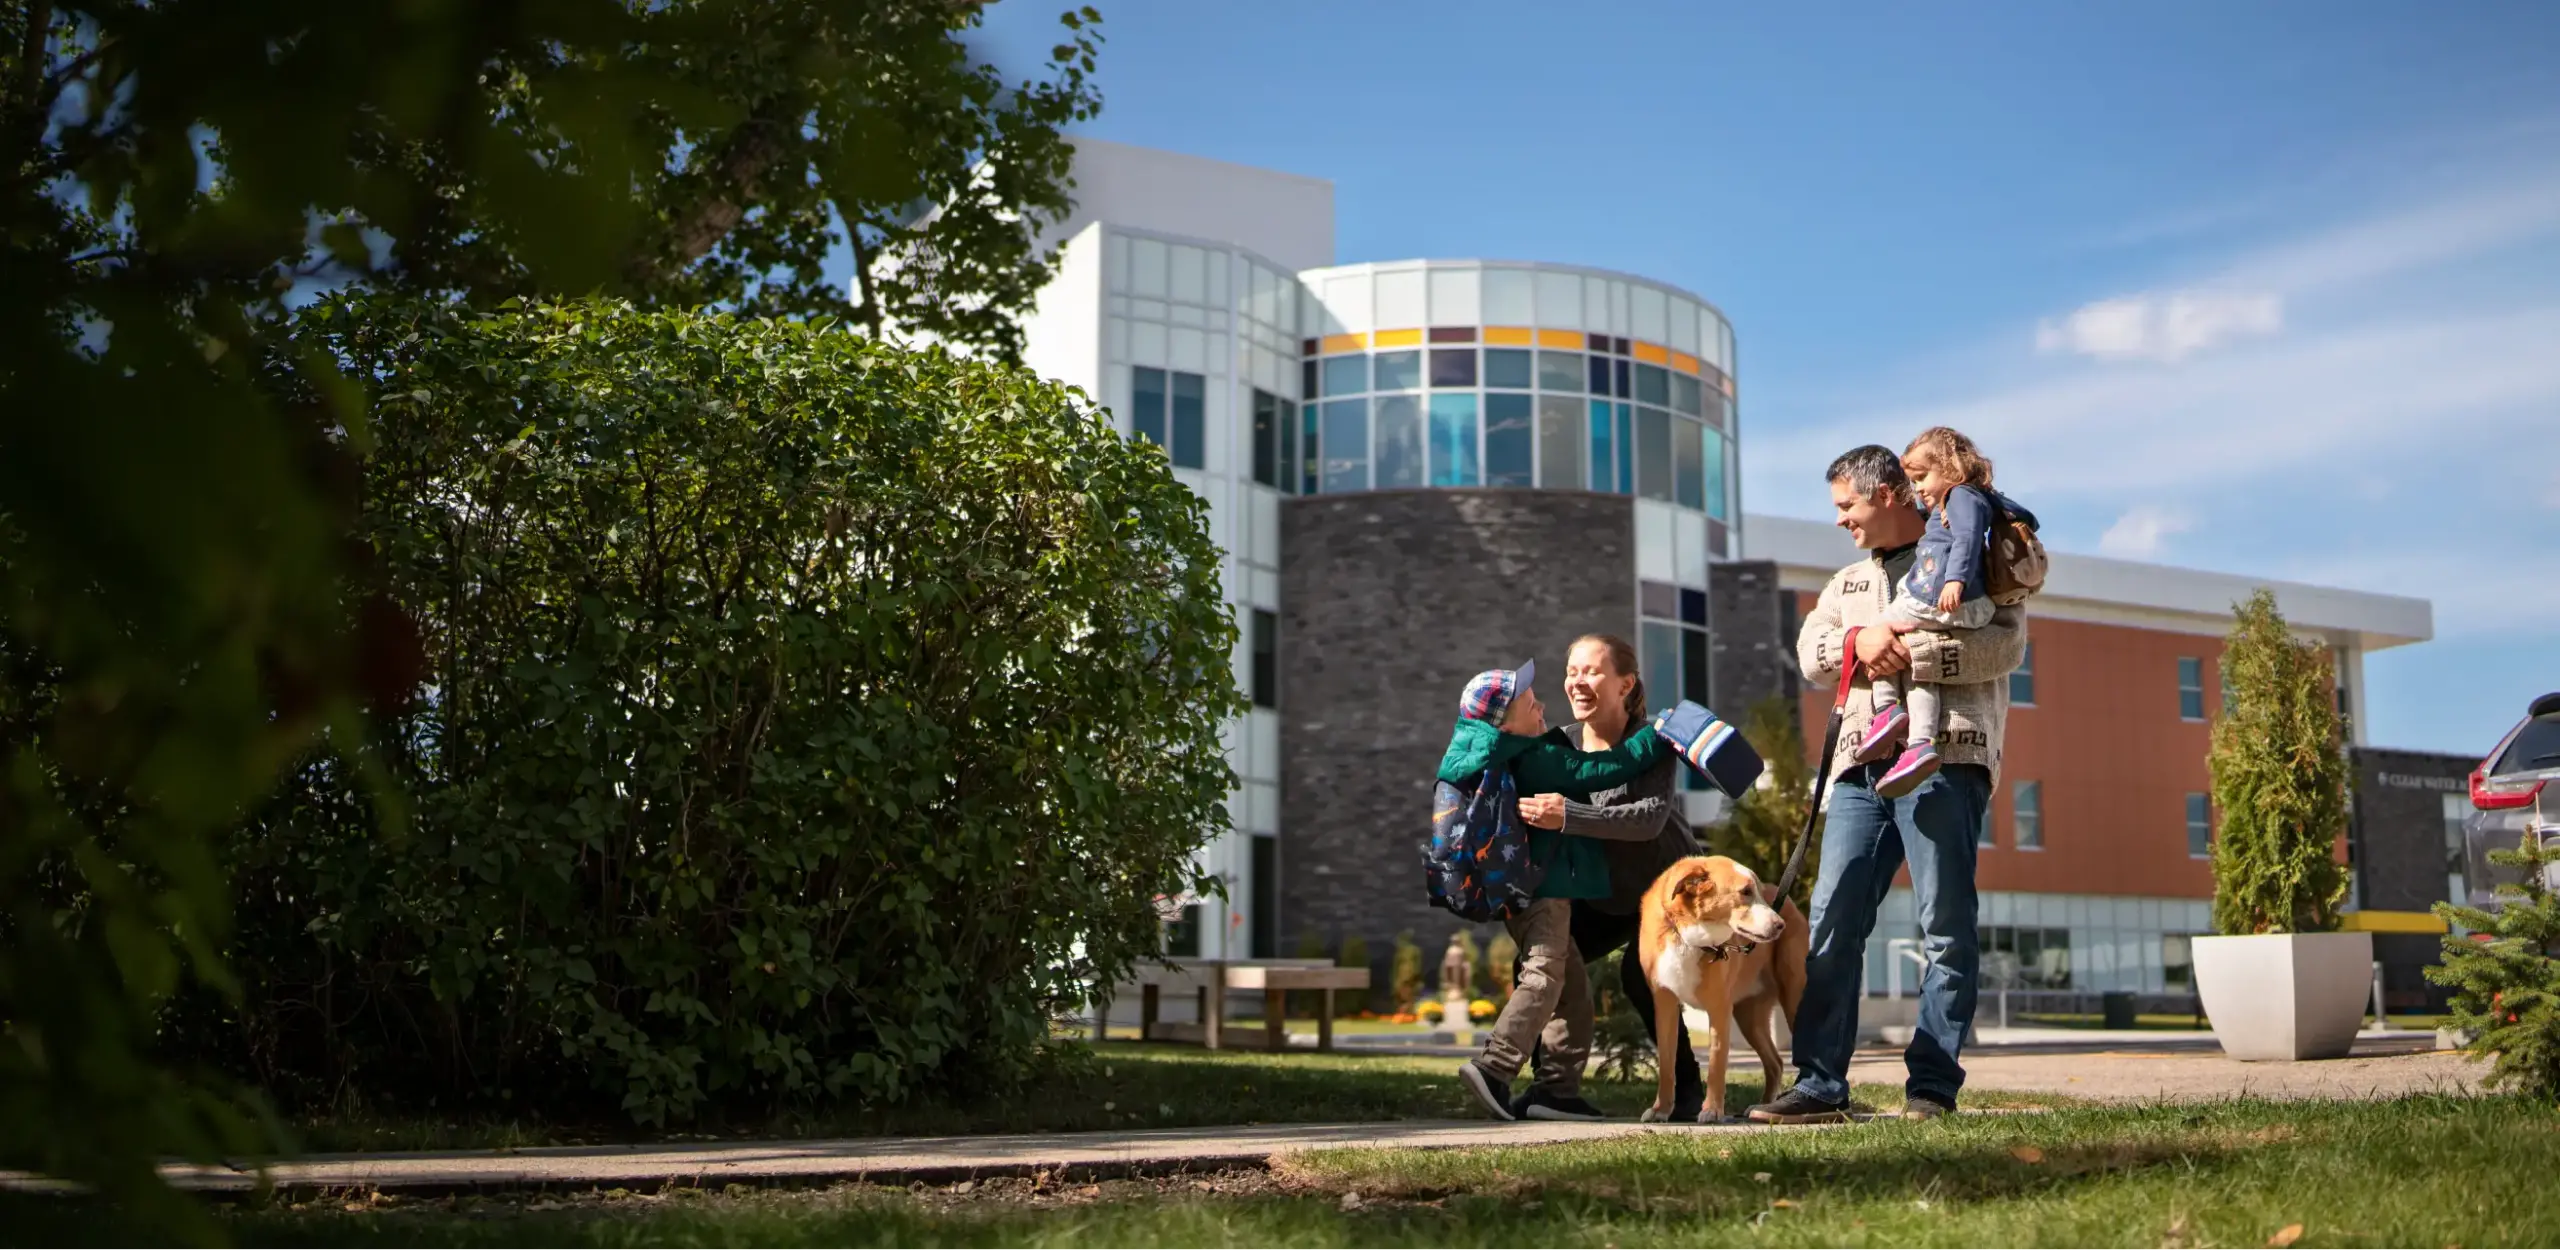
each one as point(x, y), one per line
point(1642, 832)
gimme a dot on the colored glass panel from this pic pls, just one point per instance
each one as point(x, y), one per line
point(1453, 440)
point(1509, 435)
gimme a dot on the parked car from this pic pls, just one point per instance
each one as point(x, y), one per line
point(2509, 790)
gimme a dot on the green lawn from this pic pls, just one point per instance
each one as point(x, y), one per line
point(1116, 1085)
point(2428, 1171)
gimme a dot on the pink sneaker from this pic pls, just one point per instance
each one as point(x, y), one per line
point(1918, 762)
point(1884, 732)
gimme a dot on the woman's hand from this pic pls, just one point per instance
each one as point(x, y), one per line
point(1546, 811)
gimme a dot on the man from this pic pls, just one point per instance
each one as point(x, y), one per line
point(1933, 829)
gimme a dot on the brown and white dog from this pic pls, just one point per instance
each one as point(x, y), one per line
point(1710, 940)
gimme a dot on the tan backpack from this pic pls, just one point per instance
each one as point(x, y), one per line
point(2014, 568)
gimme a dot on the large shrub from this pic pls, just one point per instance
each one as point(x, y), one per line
point(2279, 781)
point(803, 717)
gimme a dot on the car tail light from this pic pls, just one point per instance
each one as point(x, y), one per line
point(2491, 795)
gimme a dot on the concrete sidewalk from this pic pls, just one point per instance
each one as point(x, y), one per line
point(898, 1160)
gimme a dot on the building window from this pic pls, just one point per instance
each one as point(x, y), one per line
point(1346, 444)
point(2022, 680)
point(1345, 375)
point(1190, 420)
point(2026, 814)
point(2199, 826)
point(1310, 464)
point(1266, 897)
point(1508, 439)
point(1453, 439)
point(1688, 464)
point(1560, 443)
point(1453, 367)
point(2457, 811)
point(1266, 658)
point(1719, 471)
point(1604, 456)
point(2177, 961)
point(1182, 936)
point(1560, 371)
point(1266, 437)
point(1672, 651)
point(1170, 410)
point(2190, 688)
point(1289, 472)
point(1399, 371)
point(1510, 369)
point(2027, 958)
point(1399, 441)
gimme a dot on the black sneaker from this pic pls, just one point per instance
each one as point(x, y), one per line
point(1798, 1107)
point(1539, 1104)
point(1923, 1107)
point(1490, 1090)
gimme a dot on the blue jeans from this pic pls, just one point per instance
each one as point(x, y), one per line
point(1934, 830)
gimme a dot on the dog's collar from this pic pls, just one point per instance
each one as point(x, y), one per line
point(1731, 946)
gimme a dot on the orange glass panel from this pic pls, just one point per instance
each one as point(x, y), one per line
point(1396, 338)
point(1684, 362)
point(1653, 355)
point(1509, 336)
point(1560, 338)
point(1345, 342)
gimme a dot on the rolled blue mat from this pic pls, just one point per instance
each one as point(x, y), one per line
point(1715, 749)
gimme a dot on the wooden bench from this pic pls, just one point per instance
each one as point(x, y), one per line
point(1210, 979)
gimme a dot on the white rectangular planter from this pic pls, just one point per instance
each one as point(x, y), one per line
point(2285, 996)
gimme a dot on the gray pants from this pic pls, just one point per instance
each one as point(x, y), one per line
point(1970, 614)
point(1550, 1001)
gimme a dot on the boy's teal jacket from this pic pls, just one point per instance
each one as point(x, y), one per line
point(1551, 764)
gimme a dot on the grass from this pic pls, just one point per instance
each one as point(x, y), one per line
point(1115, 1085)
point(2422, 1171)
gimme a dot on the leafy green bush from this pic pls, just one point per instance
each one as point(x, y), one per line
point(1354, 954)
point(2279, 781)
point(1405, 979)
point(802, 718)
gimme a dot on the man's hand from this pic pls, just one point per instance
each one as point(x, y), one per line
point(1950, 597)
point(1881, 653)
point(1546, 811)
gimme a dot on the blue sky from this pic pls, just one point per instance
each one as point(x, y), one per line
point(2270, 288)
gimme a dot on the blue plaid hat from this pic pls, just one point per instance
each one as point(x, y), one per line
point(1491, 693)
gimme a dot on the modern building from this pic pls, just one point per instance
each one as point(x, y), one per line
point(1420, 469)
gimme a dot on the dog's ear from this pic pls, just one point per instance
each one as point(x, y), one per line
point(1696, 888)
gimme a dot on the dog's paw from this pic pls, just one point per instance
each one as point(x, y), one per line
point(1655, 1115)
point(1718, 1117)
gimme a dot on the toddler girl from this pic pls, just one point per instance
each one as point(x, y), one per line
point(1944, 590)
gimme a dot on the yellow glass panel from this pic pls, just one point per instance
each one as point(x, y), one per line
point(1397, 338)
point(1684, 362)
point(1345, 342)
point(1653, 355)
point(1560, 338)
point(1509, 336)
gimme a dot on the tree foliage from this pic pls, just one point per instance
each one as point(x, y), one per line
point(181, 615)
point(803, 718)
point(2279, 781)
point(1761, 828)
point(2505, 974)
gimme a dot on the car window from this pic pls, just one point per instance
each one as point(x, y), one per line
point(2537, 747)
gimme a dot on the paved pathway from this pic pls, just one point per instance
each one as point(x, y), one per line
point(901, 1159)
point(2379, 1070)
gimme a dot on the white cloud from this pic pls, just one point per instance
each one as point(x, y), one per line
point(2138, 534)
point(2167, 327)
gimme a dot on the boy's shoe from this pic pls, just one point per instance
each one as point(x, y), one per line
point(1919, 761)
point(1539, 1104)
point(1885, 729)
point(1492, 1091)
point(1923, 1107)
point(1798, 1107)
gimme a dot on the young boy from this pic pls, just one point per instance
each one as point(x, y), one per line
point(1502, 724)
